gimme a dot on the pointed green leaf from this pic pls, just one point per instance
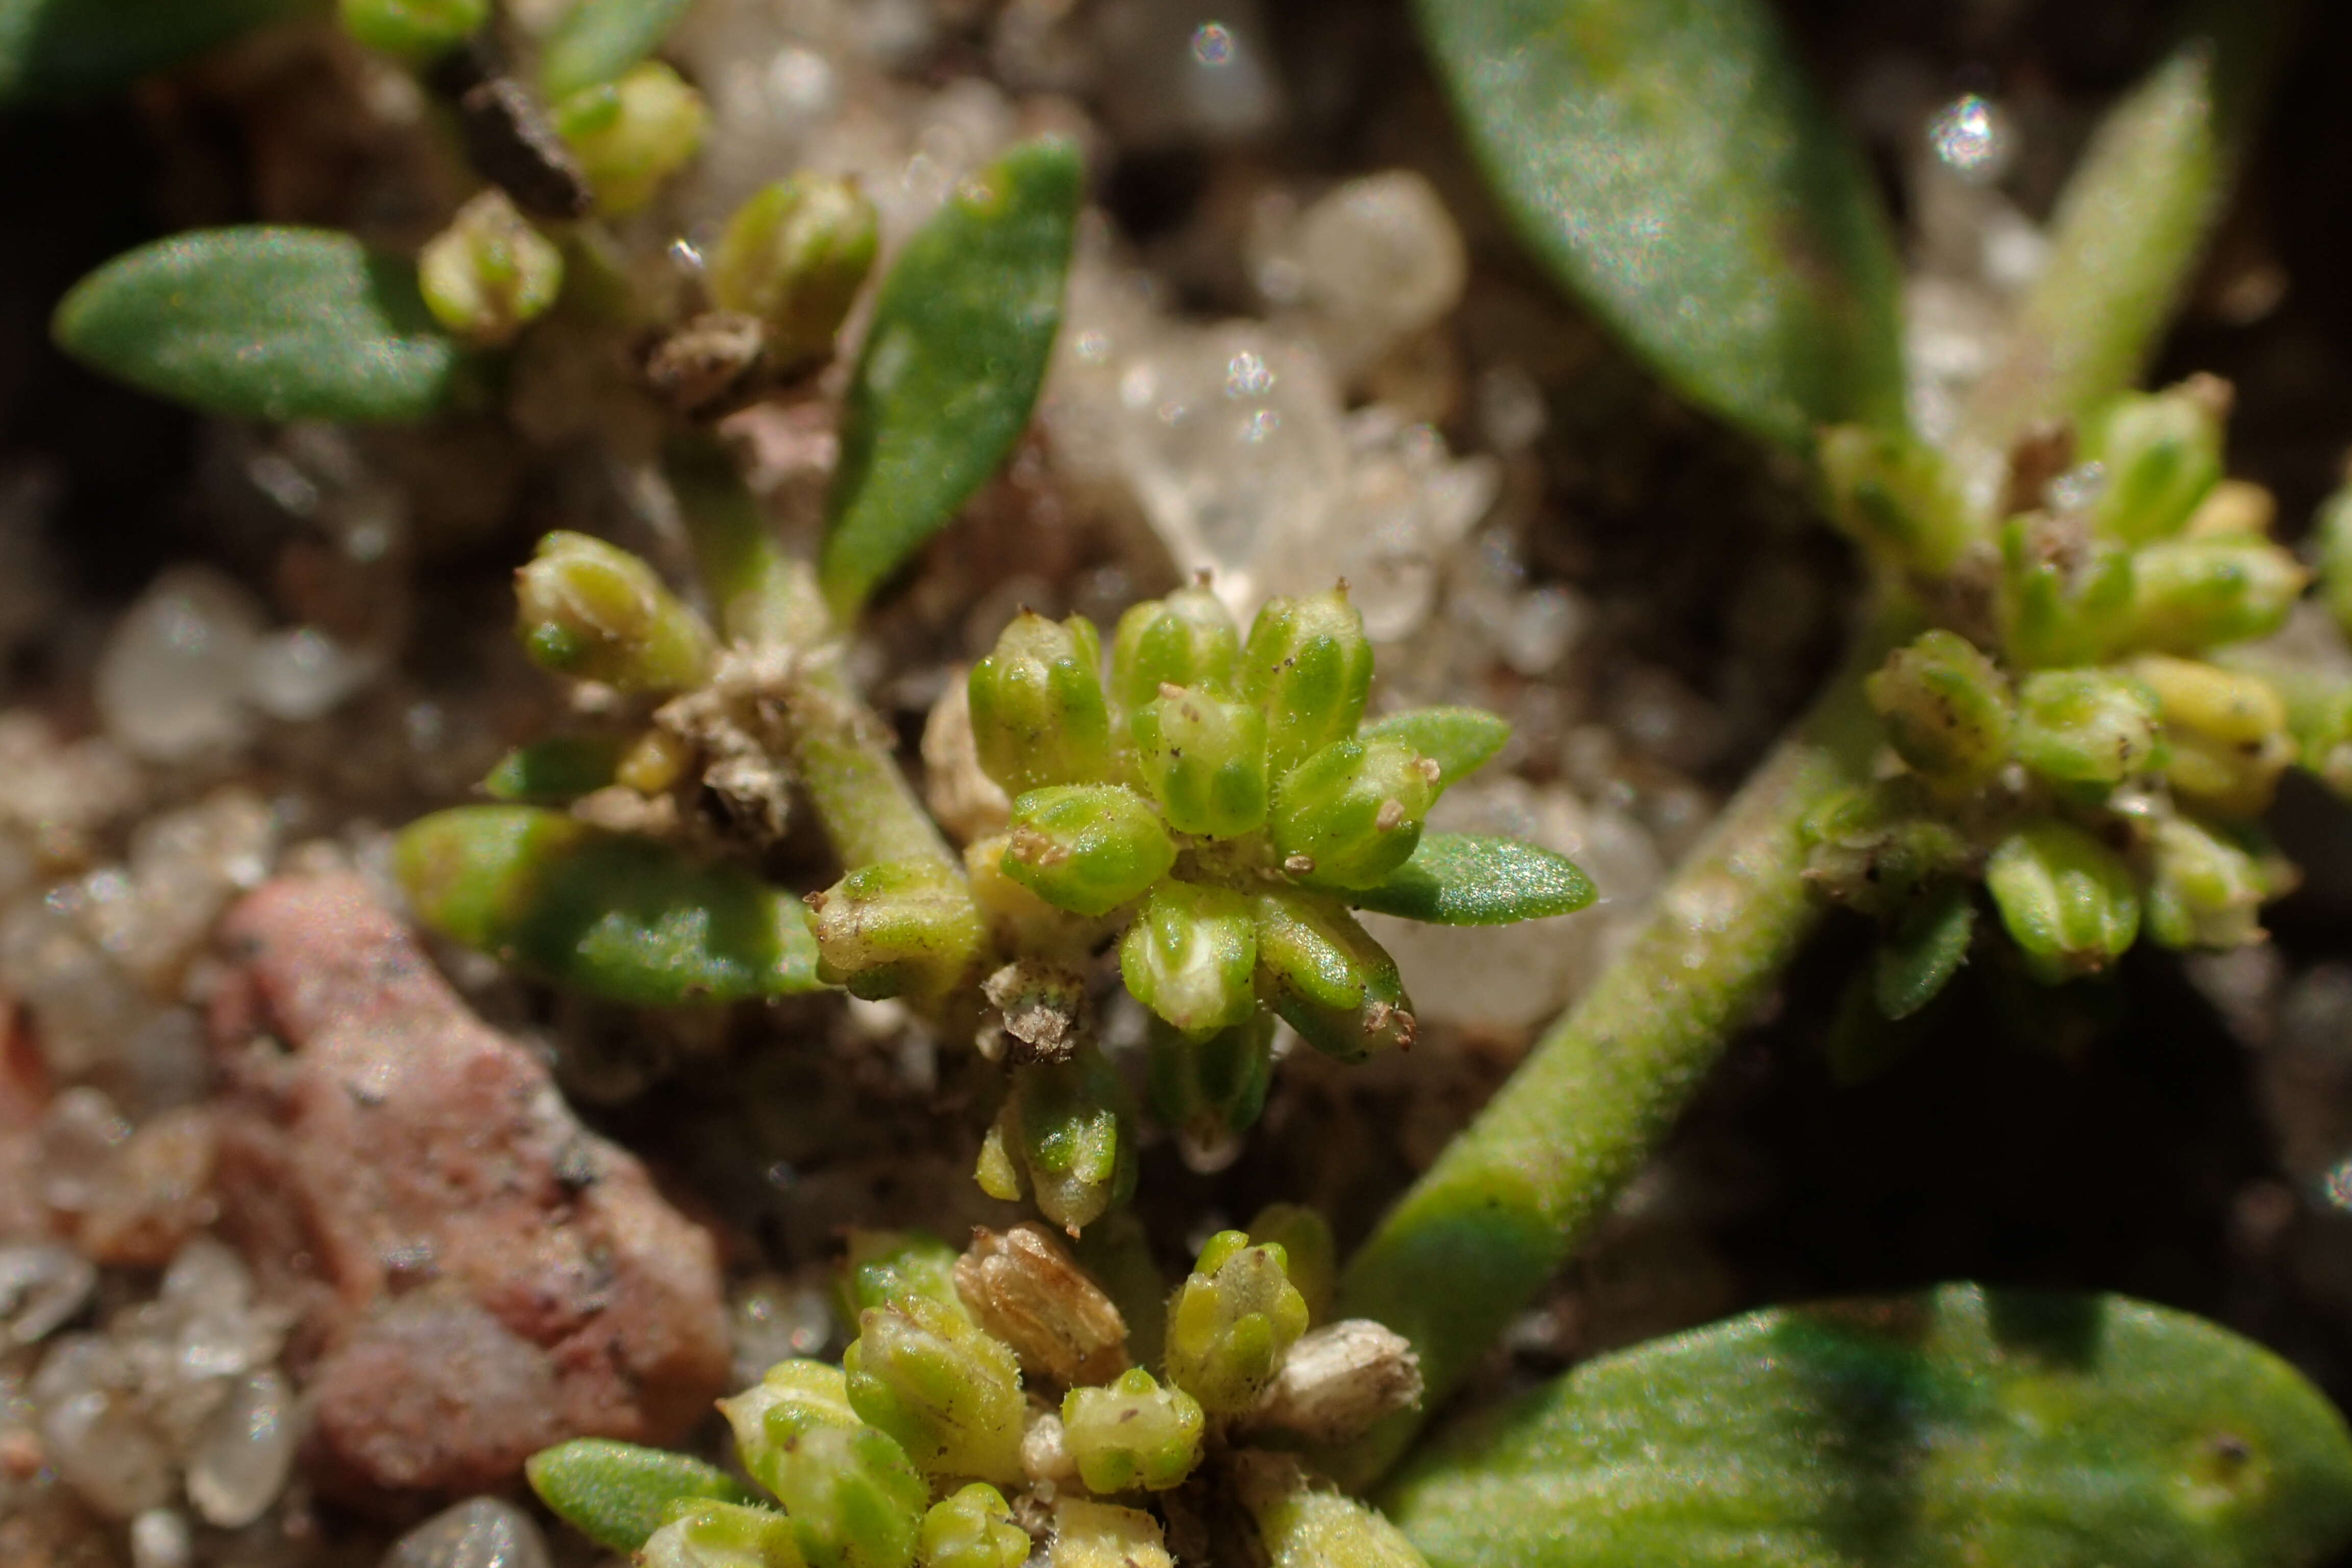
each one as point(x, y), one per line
point(1670, 164)
point(56, 49)
point(266, 324)
point(556, 771)
point(1922, 951)
point(1462, 739)
point(618, 1494)
point(599, 39)
point(951, 365)
point(630, 920)
point(1471, 879)
point(1951, 1429)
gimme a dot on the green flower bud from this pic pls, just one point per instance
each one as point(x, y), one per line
point(2090, 729)
point(1946, 709)
point(489, 272)
point(1132, 1434)
point(1203, 759)
point(1210, 1092)
point(1311, 1257)
point(2065, 596)
point(1098, 1535)
point(972, 1528)
point(1189, 956)
point(2318, 703)
point(592, 610)
point(903, 928)
point(2161, 453)
point(2067, 899)
point(884, 1265)
point(1309, 665)
point(632, 135)
point(2204, 889)
point(1185, 639)
point(1325, 976)
point(922, 1371)
point(2332, 538)
point(1231, 1323)
point(1037, 711)
point(1896, 496)
point(853, 1499)
point(2225, 733)
point(412, 29)
point(796, 255)
point(1086, 849)
point(1302, 1524)
point(2190, 593)
point(711, 1534)
point(1352, 814)
point(1067, 1134)
point(1869, 850)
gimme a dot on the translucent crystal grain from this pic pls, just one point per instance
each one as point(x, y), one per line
point(42, 1285)
point(106, 1453)
point(1379, 258)
point(480, 1533)
point(170, 683)
point(244, 1452)
point(160, 1538)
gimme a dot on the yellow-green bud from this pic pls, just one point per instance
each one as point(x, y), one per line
point(489, 272)
point(1190, 956)
point(1067, 1134)
point(2066, 595)
point(903, 928)
point(2204, 889)
point(1310, 1255)
point(1024, 1288)
point(1210, 1092)
point(1133, 1434)
point(1325, 976)
point(1099, 1535)
point(971, 1529)
point(1352, 814)
point(2318, 703)
point(412, 29)
point(2332, 538)
point(1037, 713)
point(2161, 454)
point(1946, 707)
point(632, 135)
point(1203, 760)
point(2190, 593)
point(1869, 849)
point(1309, 665)
point(2225, 733)
point(922, 1371)
point(796, 255)
point(2087, 729)
point(1304, 1525)
point(710, 1534)
point(880, 1266)
point(1231, 1323)
point(1896, 496)
point(854, 1498)
point(592, 610)
point(2067, 899)
point(1086, 849)
point(1185, 639)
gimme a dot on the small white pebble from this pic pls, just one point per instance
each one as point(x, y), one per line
point(159, 1539)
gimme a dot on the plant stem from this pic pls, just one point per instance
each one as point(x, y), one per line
point(1517, 1193)
point(844, 755)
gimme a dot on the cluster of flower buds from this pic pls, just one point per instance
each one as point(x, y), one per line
point(2097, 753)
point(917, 1449)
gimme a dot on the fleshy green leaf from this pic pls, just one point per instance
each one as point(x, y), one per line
point(1923, 953)
point(1471, 879)
point(630, 920)
point(555, 771)
point(1955, 1427)
point(952, 364)
point(52, 49)
point(599, 39)
point(1462, 739)
point(266, 324)
point(618, 1494)
point(1669, 163)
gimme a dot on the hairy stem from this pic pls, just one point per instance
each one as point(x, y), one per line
point(1521, 1188)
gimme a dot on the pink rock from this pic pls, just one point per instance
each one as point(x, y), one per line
point(480, 1275)
point(24, 1095)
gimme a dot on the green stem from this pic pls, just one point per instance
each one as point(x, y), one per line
point(1518, 1192)
point(844, 755)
